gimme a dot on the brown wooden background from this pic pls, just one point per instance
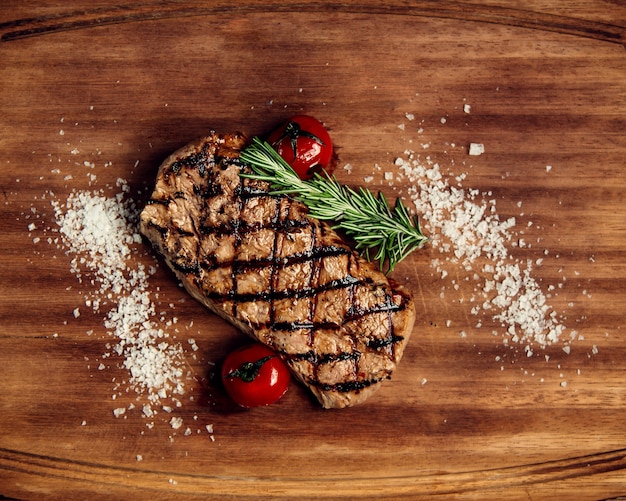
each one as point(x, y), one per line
point(128, 83)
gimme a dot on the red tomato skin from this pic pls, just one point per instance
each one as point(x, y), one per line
point(269, 385)
point(312, 154)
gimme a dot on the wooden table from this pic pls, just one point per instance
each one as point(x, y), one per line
point(95, 91)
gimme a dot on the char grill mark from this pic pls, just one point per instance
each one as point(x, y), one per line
point(341, 387)
point(282, 277)
point(153, 201)
point(236, 266)
point(199, 161)
point(273, 295)
point(281, 224)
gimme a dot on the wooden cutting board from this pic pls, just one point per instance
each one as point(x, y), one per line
point(91, 92)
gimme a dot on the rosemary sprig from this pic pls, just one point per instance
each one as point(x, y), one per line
point(367, 219)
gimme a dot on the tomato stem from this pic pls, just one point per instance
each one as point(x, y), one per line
point(293, 131)
point(248, 371)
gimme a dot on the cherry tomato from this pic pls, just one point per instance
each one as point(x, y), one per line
point(304, 143)
point(254, 375)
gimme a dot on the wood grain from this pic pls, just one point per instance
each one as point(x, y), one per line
point(95, 91)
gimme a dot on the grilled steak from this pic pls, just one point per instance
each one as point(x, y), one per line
point(283, 278)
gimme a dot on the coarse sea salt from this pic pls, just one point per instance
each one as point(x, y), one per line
point(100, 232)
point(463, 225)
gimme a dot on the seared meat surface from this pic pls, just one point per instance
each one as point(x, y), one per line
point(285, 279)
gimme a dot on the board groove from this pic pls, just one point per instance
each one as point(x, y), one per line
point(90, 18)
point(436, 483)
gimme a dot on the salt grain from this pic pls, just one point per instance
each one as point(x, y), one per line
point(176, 422)
point(476, 149)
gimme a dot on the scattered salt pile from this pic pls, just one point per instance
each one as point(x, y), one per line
point(463, 225)
point(100, 233)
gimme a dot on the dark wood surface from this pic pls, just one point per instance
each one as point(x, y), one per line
point(464, 416)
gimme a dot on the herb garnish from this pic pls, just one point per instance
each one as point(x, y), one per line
point(364, 217)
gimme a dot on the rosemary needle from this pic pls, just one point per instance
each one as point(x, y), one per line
point(368, 219)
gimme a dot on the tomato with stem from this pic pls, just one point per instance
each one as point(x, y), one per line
point(255, 376)
point(305, 144)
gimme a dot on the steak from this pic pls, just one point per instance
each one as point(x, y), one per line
point(284, 278)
